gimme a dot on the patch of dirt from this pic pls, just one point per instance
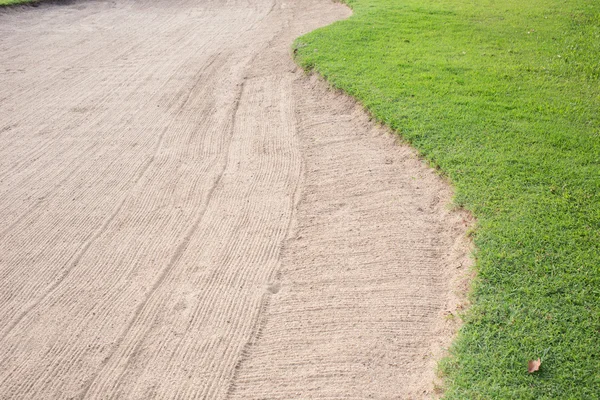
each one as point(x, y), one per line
point(186, 214)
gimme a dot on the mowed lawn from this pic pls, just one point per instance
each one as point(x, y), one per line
point(504, 98)
point(13, 2)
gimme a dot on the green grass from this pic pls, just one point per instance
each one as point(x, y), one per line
point(504, 97)
point(15, 2)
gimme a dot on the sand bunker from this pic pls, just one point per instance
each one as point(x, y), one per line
point(185, 214)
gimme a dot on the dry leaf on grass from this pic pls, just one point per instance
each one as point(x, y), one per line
point(534, 365)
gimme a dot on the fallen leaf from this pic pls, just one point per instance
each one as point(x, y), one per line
point(534, 365)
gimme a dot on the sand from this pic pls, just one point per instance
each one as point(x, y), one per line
point(186, 214)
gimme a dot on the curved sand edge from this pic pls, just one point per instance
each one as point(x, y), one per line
point(187, 215)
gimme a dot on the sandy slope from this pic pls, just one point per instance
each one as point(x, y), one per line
point(186, 215)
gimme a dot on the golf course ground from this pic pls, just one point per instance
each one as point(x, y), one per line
point(503, 97)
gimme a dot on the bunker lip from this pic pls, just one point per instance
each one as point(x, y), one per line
point(188, 215)
point(24, 4)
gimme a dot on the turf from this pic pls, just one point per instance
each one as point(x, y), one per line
point(15, 2)
point(504, 98)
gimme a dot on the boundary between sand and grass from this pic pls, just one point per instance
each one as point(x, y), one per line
point(32, 3)
point(503, 98)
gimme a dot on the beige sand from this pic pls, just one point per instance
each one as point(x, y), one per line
point(185, 214)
